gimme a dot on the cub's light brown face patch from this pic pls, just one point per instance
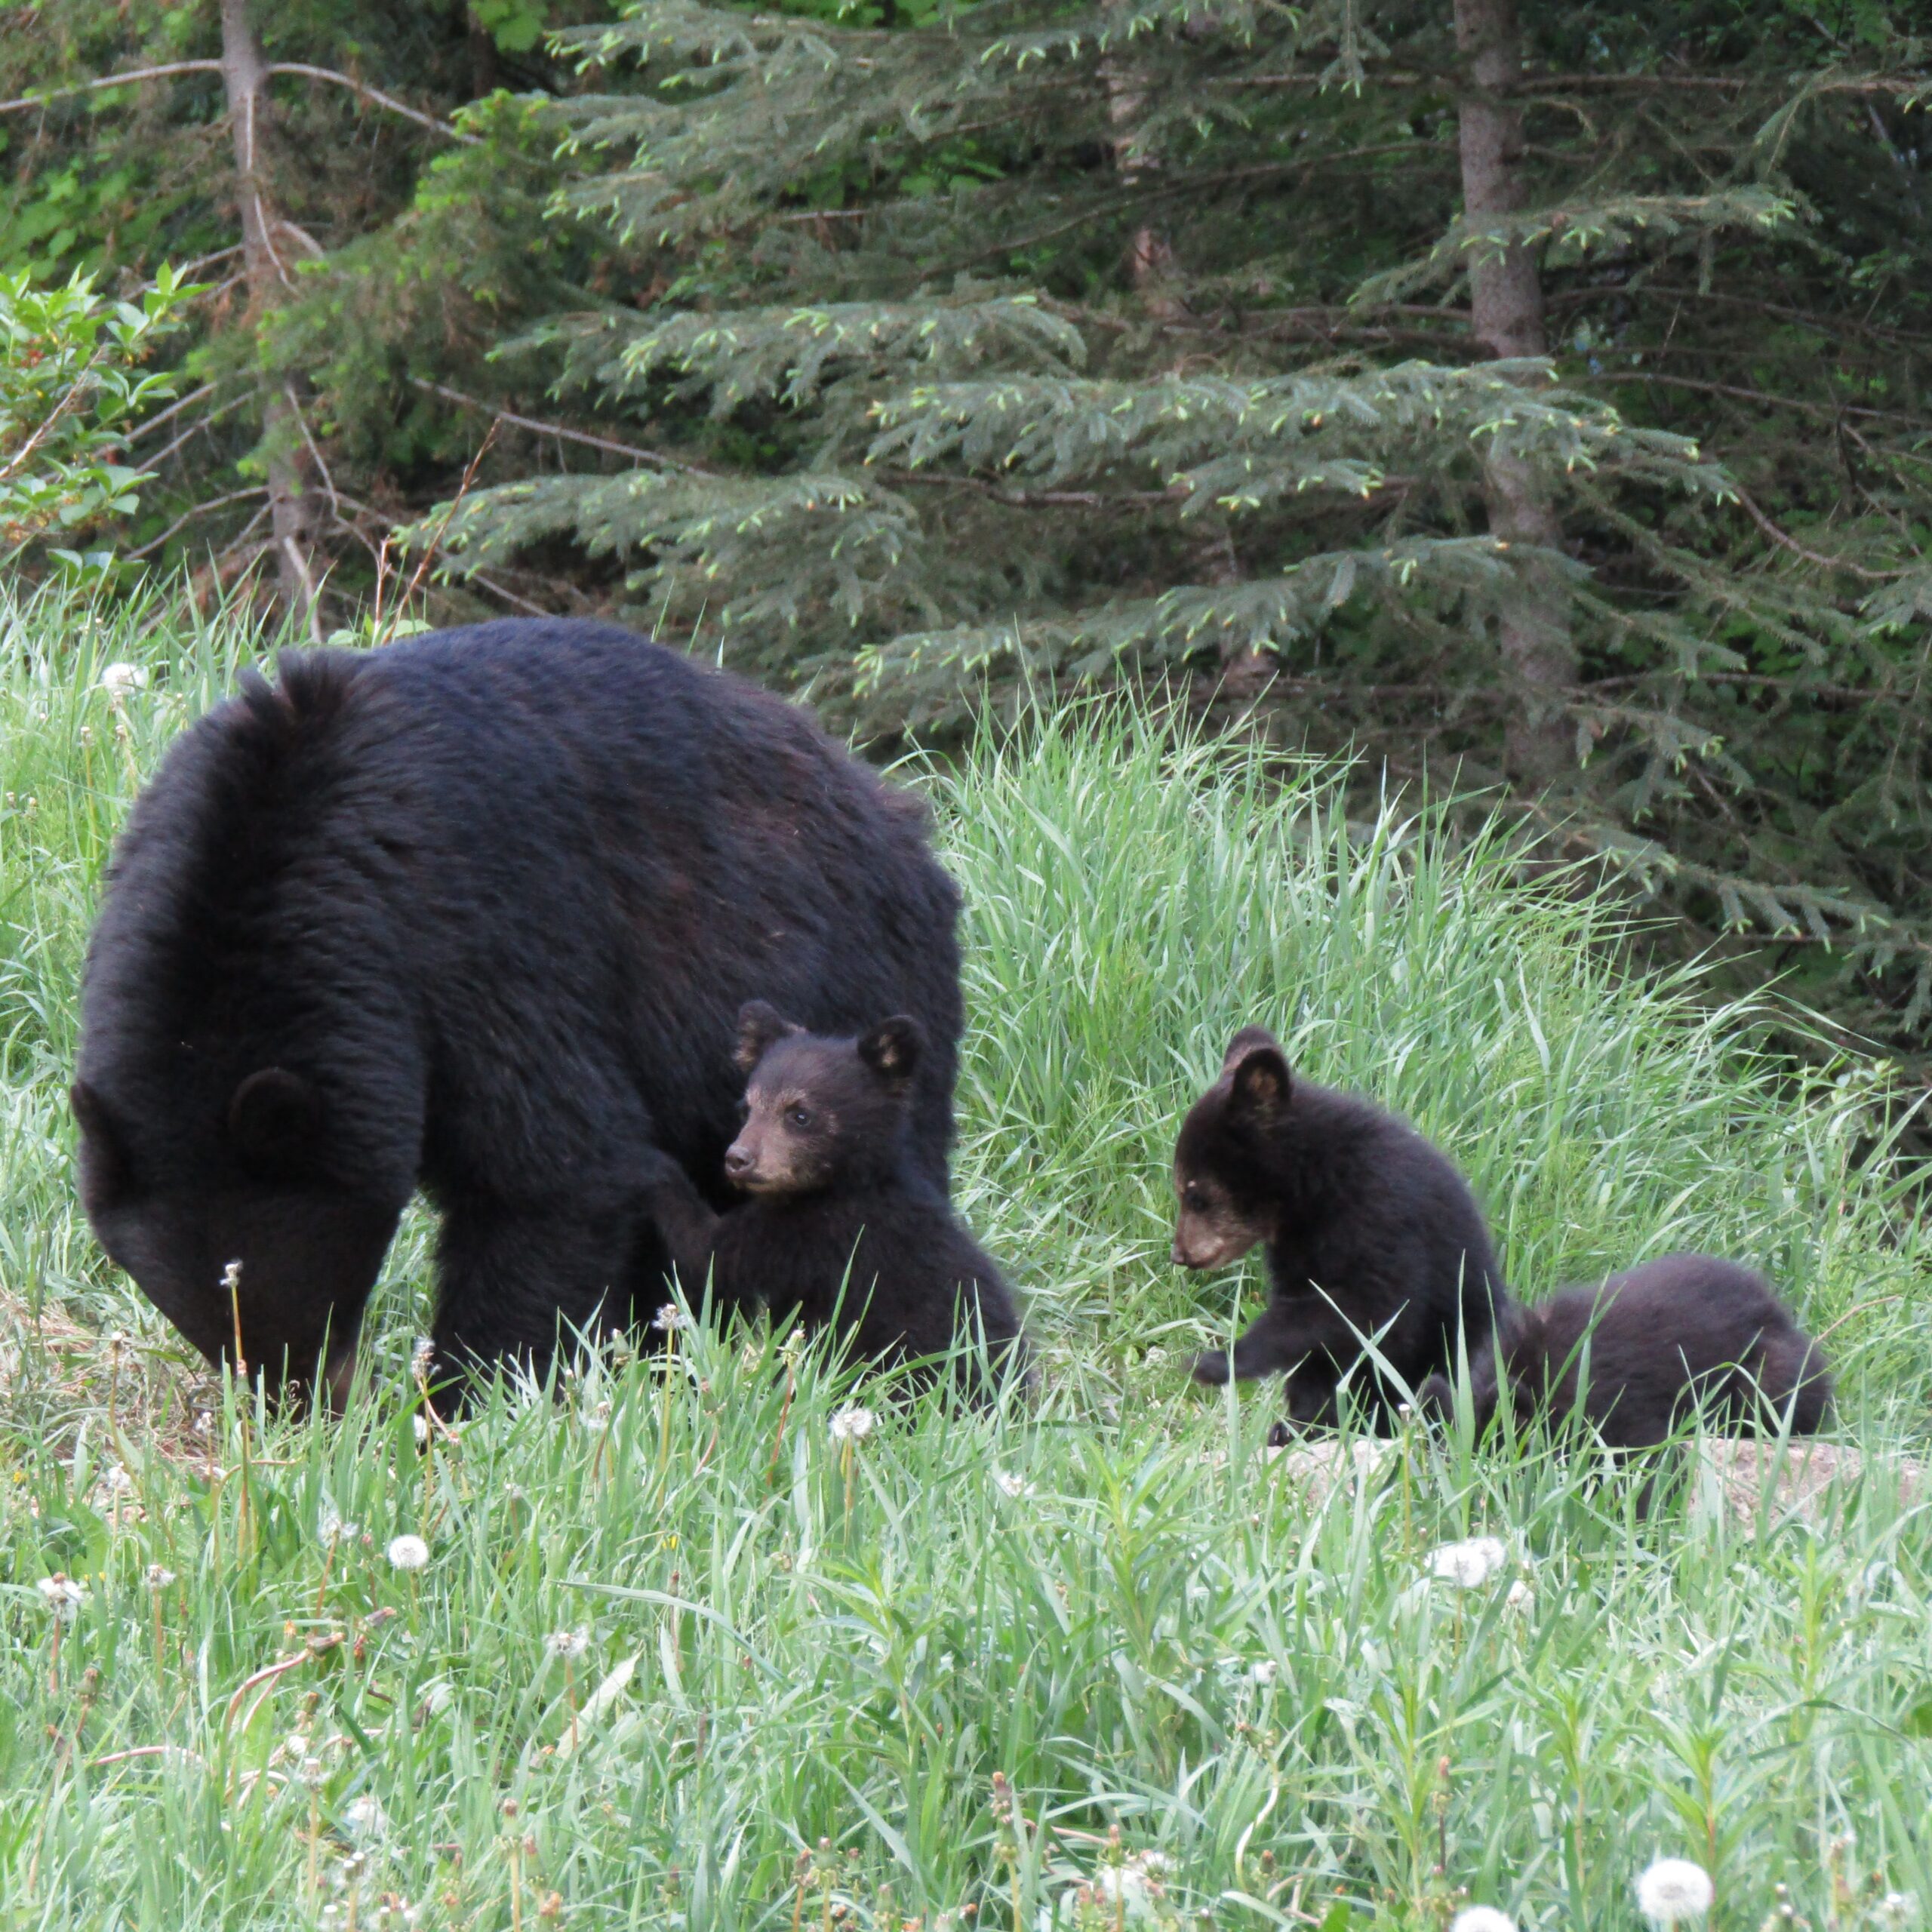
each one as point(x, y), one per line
point(784, 1145)
point(1210, 1231)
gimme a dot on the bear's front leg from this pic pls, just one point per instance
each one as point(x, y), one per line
point(512, 1281)
point(1277, 1338)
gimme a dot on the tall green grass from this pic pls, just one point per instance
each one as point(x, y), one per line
point(730, 1672)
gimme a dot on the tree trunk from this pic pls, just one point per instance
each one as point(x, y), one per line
point(291, 507)
point(1505, 302)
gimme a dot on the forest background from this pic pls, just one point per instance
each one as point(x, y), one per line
point(1533, 399)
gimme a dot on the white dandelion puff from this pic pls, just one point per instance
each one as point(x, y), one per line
point(421, 1358)
point(63, 1596)
point(1481, 1918)
point(1009, 1484)
point(158, 1577)
point(569, 1643)
point(364, 1817)
point(117, 680)
point(1520, 1596)
point(852, 1425)
point(408, 1553)
point(1673, 1890)
point(1265, 1672)
point(115, 1480)
point(1468, 1565)
point(670, 1318)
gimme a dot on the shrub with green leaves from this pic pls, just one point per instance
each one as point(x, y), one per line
point(72, 385)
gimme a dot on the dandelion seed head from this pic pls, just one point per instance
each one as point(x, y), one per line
point(117, 680)
point(1468, 1565)
point(1520, 1596)
point(63, 1596)
point(364, 1817)
point(1481, 1918)
point(159, 1578)
point(1672, 1889)
point(1012, 1485)
point(421, 1358)
point(852, 1425)
point(408, 1552)
point(116, 1480)
point(669, 1319)
point(570, 1643)
point(1265, 1672)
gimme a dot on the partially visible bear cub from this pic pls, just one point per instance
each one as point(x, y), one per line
point(843, 1226)
point(1640, 1352)
point(1368, 1228)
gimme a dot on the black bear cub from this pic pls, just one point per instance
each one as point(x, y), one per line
point(843, 1226)
point(1368, 1228)
point(1640, 1352)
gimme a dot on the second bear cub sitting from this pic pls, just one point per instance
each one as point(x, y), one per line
point(1641, 1352)
point(1368, 1228)
point(843, 1227)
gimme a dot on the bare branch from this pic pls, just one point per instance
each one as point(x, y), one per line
point(378, 97)
point(188, 517)
point(46, 94)
point(557, 429)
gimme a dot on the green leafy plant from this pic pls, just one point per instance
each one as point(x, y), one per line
point(73, 382)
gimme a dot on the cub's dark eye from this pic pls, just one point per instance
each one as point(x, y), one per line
point(744, 1110)
point(1194, 1195)
point(800, 1117)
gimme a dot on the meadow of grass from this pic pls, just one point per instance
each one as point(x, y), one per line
point(677, 1656)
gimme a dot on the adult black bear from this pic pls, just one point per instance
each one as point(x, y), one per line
point(473, 912)
point(843, 1227)
point(1368, 1228)
point(1641, 1352)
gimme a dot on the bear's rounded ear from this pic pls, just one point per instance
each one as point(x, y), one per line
point(273, 1119)
point(893, 1048)
point(759, 1025)
point(1259, 1083)
point(102, 1147)
point(1244, 1043)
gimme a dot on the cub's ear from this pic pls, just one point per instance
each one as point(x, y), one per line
point(760, 1026)
point(273, 1119)
point(104, 1153)
point(893, 1048)
point(1244, 1042)
point(1259, 1083)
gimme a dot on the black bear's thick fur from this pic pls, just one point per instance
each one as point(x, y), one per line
point(843, 1227)
point(475, 912)
point(1640, 1352)
point(1368, 1228)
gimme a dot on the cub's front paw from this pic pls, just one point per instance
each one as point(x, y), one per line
point(1212, 1367)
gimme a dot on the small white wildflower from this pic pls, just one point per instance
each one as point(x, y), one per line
point(1012, 1485)
point(1673, 1890)
point(852, 1425)
point(408, 1552)
point(571, 1643)
point(63, 1596)
point(364, 1817)
point(157, 1578)
point(1468, 1565)
point(1481, 1918)
point(670, 1318)
point(117, 680)
point(1265, 1672)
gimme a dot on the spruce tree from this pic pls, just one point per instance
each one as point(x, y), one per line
point(1419, 365)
